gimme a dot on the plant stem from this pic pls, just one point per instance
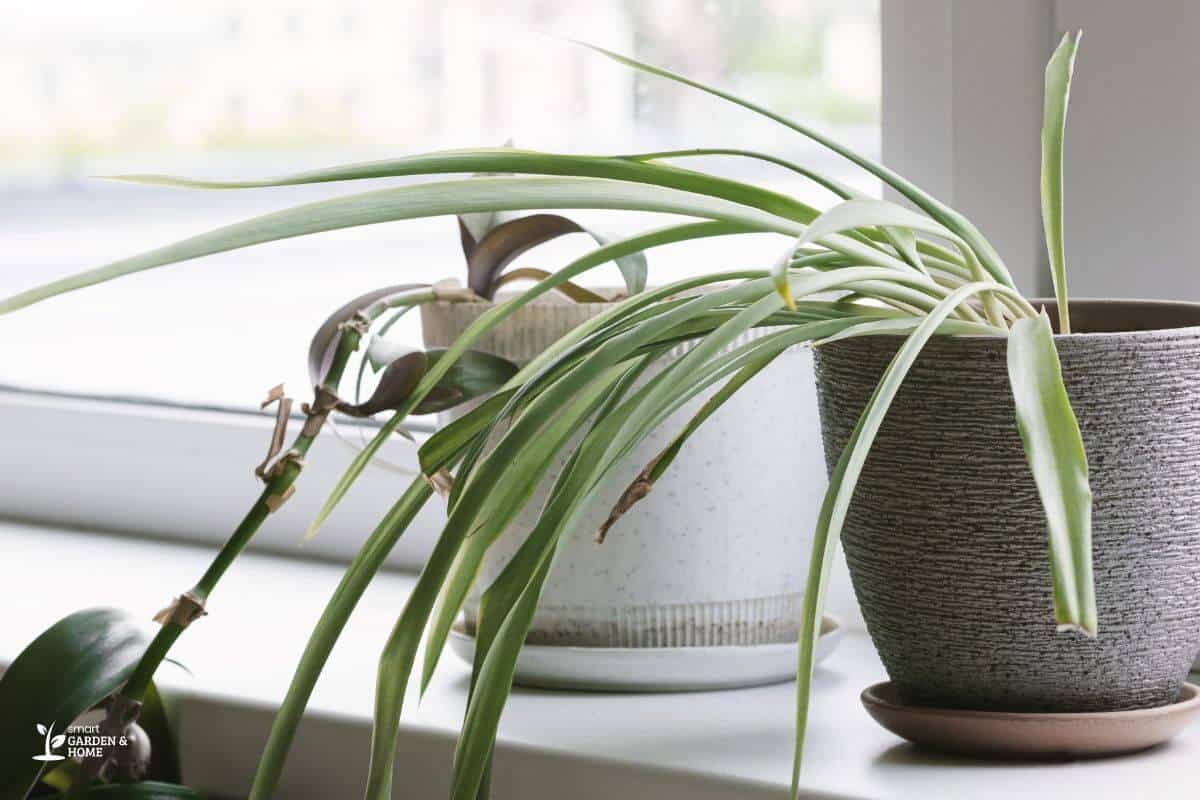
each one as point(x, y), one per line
point(279, 483)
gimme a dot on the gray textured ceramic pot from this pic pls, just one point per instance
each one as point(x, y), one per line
point(945, 536)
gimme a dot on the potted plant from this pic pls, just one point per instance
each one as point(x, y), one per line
point(927, 274)
point(679, 573)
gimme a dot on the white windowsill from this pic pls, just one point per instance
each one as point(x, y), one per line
point(732, 744)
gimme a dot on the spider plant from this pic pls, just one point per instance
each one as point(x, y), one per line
point(864, 267)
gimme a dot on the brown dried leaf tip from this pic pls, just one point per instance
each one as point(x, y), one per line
point(640, 487)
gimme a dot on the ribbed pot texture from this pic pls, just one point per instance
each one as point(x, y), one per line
point(946, 538)
point(715, 555)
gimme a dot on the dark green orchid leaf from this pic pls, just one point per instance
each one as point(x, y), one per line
point(146, 790)
point(72, 666)
point(473, 375)
point(487, 257)
point(502, 244)
point(396, 383)
point(320, 350)
point(473, 226)
point(164, 751)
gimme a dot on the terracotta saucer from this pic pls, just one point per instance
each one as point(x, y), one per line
point(1031, 735)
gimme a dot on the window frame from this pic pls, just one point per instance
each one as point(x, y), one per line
point(186, 473)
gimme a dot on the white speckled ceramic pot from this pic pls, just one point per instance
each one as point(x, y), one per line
point(716, 554)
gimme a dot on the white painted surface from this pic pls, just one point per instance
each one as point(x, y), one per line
point(1132, 181)
point(187, 475)
point(962, 110)
point(176, 473)
point(962, 106)
point(700, 746)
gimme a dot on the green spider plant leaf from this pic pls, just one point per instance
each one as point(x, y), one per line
point(422, 200)
point(1058, 461)
point(473, 227)
point(439, 449)
point(644, 482)
point(69, 668)
point(1054, 126)
point(861, 214)
point(501, 245)
point(502, 499)
point(511, 161)
point(399, 654)
point(865, 212)
point(629, 423)
point(842, 482)
point(933, 207)
point(495, 315)
point(325, 634)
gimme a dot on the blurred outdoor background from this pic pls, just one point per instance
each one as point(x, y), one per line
point(253, 88)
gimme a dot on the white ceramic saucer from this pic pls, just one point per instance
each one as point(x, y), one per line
point(654, 669)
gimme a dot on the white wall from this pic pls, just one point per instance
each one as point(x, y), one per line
point(962, 95)
point(1133, 148)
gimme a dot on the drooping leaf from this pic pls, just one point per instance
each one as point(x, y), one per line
point(438, 449)
point(504, 243)
point(395, 385)
point(422, 200)
point(493, 317)
point(473, 227)
point(1054, 448)
point(626, 424)
point(1054, 126)
point(645, 480)
point(860, 214)
point(70, 667)
point(930, 205)
point(325, 634)
point(501, 245)
point(472, 375)
point(842, 482)
point(320, 350)
point(503, 501)
point(512, 161)
point(867, 212)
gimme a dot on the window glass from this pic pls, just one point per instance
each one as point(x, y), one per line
point(249, 88)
